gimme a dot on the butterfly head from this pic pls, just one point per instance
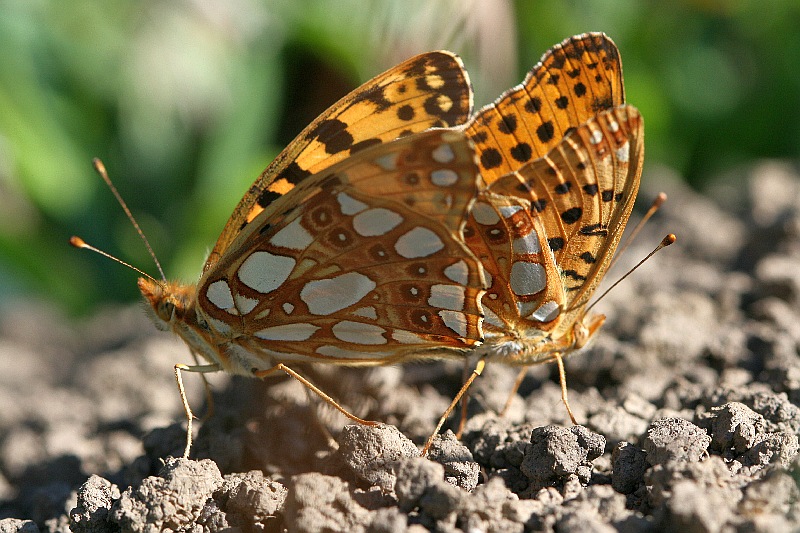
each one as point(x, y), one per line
point(170, 302)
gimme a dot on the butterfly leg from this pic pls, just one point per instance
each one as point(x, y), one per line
point(475, 373)
point(207, 388)
point(203, 369)
point(562, 377)
point(464, 400)
point(517, 382)
point(280, 366)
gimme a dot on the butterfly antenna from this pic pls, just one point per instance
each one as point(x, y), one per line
point(100, 168)
point(655, 206)
point(666, 241)
point(77, 242)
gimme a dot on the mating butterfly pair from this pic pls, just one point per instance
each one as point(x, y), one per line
point(397, 226)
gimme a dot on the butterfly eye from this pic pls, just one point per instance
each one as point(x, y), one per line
point(166, 310)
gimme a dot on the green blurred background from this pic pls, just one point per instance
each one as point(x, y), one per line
point(186, 101)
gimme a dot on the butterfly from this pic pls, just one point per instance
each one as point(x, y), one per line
point(546, 233)
point(560, 159)
point(561, 156)
point(355, 246)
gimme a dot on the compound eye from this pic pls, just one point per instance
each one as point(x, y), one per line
point(166, 310)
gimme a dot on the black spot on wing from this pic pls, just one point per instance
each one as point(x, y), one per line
point(555, 243)
point(377, 96)
point(522, 152)
point(573, 275)
point(507, 124)
point(366, 143)
point(480, 137)
point(572, 215)
point(266, 198)
point(545, 132)
point(405, 113)
point(539, 205)
point(590, 189)
point(533, 105)
point(491, 158)
point(293, 173)
point(333, 134)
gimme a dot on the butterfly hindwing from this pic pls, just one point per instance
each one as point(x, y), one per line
point(364, 264)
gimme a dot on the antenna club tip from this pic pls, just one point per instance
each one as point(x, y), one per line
point(98, 165)
point(658, 201)
point(669, 239)
point(77, 242)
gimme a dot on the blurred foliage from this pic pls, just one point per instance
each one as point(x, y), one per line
point(187, 101)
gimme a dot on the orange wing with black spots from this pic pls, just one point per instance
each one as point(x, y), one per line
point(426, 91)
point(573, 82)
point(546, 233)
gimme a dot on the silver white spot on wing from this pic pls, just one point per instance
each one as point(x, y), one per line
point(293, 236)
point(491, 318)
point(527, 278)
point(547, 311)
point(288, 308)
point(458, 272)
point(455, 321)
point(508, 210)
point(287, 332)
point(444, 177)
point(443, 154)
point(418, 242)
point(262, 314)
point(264, 272)
point(529, 244)
point(406, 337)
point(596, 137)
point(375, 222)
point(359, 333)
point(387, 162)
point(219, 294)
point(484, 214)
point(366, 312)
point(349, 205)
point(326, 296)
point(447, 297)
point(223, 328)
point(340, 353)
point(245, 304)
point(623, 152)
point(613, 126)
point(526, 308)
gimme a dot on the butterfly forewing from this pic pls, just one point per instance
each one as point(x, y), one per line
point(364, 264)
point(565, 214)
point(429, 90)
point(572, 83)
